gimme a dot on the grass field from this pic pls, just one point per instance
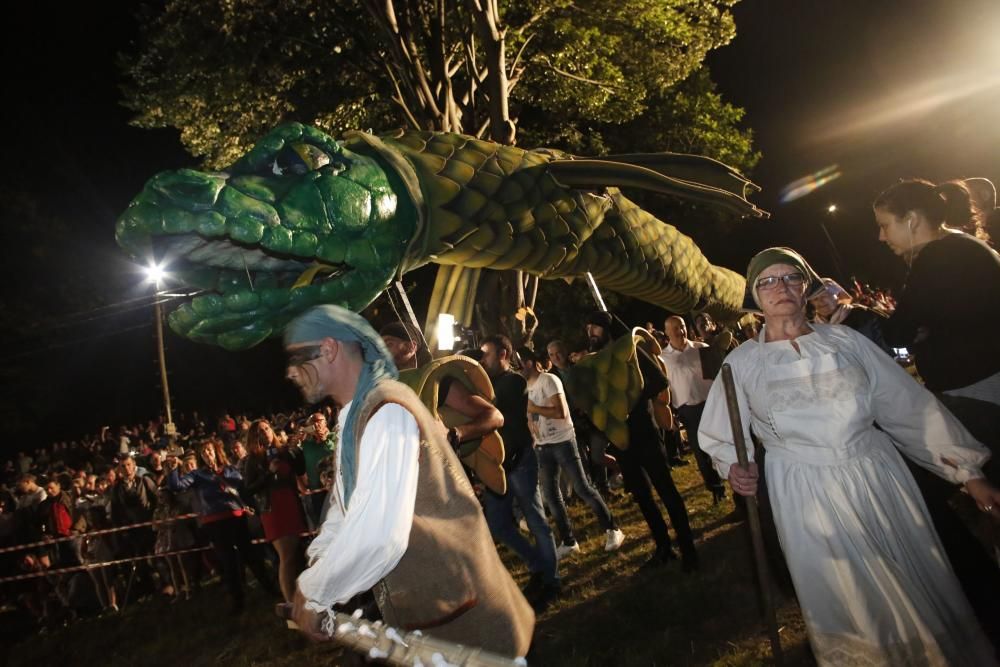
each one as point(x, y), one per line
point(610, 612)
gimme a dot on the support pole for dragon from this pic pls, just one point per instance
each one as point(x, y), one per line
point(161, 355)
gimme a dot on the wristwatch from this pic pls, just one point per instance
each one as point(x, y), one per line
point(453, 438)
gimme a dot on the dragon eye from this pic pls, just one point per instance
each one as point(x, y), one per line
point(298, 159)
point(311, 155)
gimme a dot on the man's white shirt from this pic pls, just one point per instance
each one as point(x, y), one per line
point(547, 430)
point(687, 386)
point(359, 546)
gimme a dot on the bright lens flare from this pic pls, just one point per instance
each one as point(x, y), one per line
point(155, 273)
point(807, 184)
point(445, 332)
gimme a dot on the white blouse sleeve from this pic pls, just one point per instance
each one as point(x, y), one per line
point(922, 428)
point(359, 547)
point(715, 435)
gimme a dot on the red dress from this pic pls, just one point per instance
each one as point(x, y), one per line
point(285, 515)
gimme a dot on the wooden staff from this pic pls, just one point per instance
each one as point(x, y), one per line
point(753, 516)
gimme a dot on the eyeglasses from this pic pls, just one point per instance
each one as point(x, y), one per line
point(304, 355)
point(790, 279)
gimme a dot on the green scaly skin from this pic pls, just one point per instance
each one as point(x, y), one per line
point(364, 210)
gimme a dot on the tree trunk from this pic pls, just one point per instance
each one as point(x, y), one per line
point(427, 95)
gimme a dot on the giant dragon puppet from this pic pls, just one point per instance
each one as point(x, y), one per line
point(304, 219)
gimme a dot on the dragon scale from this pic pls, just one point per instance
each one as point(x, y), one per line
point(304, 219)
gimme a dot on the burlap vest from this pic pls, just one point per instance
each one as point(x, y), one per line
point(450, 583)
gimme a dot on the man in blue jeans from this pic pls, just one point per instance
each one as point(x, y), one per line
point(555, 441)
point(521, 467)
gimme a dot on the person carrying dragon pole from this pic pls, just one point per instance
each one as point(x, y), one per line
point(403, 519)
point(481, 417)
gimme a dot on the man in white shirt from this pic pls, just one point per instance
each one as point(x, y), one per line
point(555, 442)
point(402, 518)
point(688, 391)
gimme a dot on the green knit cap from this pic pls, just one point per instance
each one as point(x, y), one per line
point(770, 257)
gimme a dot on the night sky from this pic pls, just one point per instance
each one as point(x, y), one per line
point(881, 90)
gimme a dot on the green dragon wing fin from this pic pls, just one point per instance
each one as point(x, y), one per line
point(606, 385)
point(687, 177)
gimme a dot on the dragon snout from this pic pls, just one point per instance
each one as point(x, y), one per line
point(195, 190)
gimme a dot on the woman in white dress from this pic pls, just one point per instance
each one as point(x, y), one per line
point(872, 580)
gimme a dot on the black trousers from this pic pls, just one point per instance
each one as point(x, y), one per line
point(231, 543)
point(690, 416)
point(644, 467)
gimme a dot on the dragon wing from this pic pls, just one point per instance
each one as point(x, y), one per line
point(690, 177)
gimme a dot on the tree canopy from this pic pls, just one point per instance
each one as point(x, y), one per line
point(590, 75)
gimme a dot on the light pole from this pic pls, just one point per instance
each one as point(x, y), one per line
point(155, 274)
point(830, 210)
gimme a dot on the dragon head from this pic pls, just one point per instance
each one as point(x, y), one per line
point(299, 220)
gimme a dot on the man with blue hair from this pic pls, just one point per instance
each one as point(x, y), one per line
point(402, 518)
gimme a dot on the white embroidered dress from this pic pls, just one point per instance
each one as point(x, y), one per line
point(872, 579)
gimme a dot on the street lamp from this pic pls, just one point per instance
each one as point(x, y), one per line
point(830, 211)
point(155, 274)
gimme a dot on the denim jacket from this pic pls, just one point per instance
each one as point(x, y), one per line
point(218, 493)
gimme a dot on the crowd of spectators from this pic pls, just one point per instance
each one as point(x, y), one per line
point(60, 506)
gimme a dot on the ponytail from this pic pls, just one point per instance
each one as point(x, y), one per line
point(959, 211)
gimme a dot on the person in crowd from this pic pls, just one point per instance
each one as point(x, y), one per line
point(644, 462)
point(222, 515)
point(406, 347)
point(239, 458)
point(100, 548)
point(521, 467)
point(319, 443)
point(29, 493)
point(132, 501)
point(951, 302)
point(172, 535)
point(28, 516)
point(945, 315)
point(660, 337)
point(720, 341)
point(555, 445)
point(592, 444)
point(402, 517)
point(155, 469)
point(62, 521)
point(226, 429)
point(869, 572)
point(7, 505)
point(24, 463)
point(271, 478)
point(688, 391)
point(833, 305)
point(706, 328)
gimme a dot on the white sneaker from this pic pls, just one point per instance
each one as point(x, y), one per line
point(564, 550)
point(614, 541)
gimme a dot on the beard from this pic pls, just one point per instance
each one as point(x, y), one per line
point(595, 343)
point(312, 394)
